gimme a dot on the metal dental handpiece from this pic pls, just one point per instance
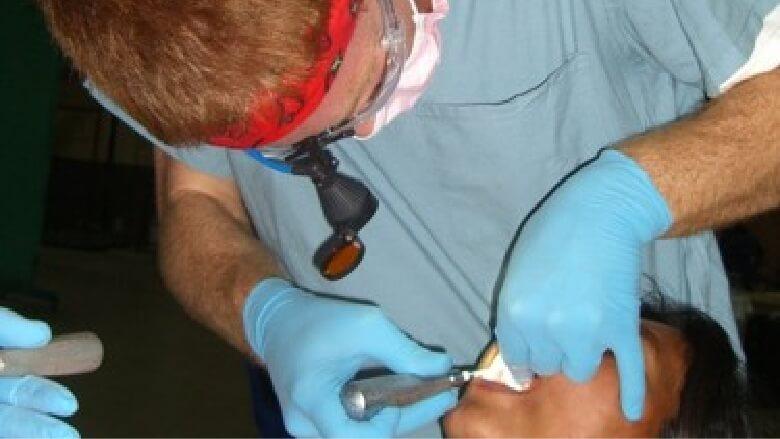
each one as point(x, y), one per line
point(363, 398)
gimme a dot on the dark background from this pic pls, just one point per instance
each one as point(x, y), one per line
point(77, 249)
point(77, 244)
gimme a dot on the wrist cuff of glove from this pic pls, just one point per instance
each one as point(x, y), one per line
point(653, 217)
point(266, 297)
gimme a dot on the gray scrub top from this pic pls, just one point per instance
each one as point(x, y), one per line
point(526, 91)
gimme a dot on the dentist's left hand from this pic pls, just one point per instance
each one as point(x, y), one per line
point(29, 404)
point(312, 345)
point(571, 290)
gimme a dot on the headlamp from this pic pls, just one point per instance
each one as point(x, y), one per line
point(346, 203)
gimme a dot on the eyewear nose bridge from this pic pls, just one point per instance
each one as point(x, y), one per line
point(393, 40)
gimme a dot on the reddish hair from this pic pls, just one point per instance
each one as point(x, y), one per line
point(186, 69)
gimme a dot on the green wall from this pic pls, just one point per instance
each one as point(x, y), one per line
point(29, 72)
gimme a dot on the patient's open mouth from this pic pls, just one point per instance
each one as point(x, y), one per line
point(482, 384)
point(493, 369)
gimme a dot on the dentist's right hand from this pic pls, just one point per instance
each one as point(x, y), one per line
point(28, 404)
point(313, 345)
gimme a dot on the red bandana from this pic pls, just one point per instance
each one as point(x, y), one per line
point(269, 123)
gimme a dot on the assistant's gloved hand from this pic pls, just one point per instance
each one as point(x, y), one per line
point(313, 345)
point(27, 403)
point(571, 289)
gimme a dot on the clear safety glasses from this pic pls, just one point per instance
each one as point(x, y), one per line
point(347, 204)
point(393, 43)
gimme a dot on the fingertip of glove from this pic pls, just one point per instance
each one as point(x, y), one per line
point(443, 402)
point(453, 399)
point(64, 431)
point(633, 411)
point(47, 396)
point(67, 405)
point(39, 333)
point(632, 399)
point(20, 332)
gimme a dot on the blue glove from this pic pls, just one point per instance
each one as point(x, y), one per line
point(26, 403)
point(313, 345)
point(571, 289)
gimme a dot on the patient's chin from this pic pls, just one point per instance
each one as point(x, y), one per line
point(468, 420)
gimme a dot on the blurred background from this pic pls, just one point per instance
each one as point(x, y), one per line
point(77, 248)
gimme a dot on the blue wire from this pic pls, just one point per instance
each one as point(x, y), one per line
point(275, 164)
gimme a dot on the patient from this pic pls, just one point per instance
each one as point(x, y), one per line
point(695, 388)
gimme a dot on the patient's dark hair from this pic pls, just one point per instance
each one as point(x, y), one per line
point(713, 400)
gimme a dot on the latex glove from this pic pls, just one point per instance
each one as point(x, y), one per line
point(28, 404)
point(571, 289)
point(313, 345)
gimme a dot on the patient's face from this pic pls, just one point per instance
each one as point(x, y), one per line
point(557, 407)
